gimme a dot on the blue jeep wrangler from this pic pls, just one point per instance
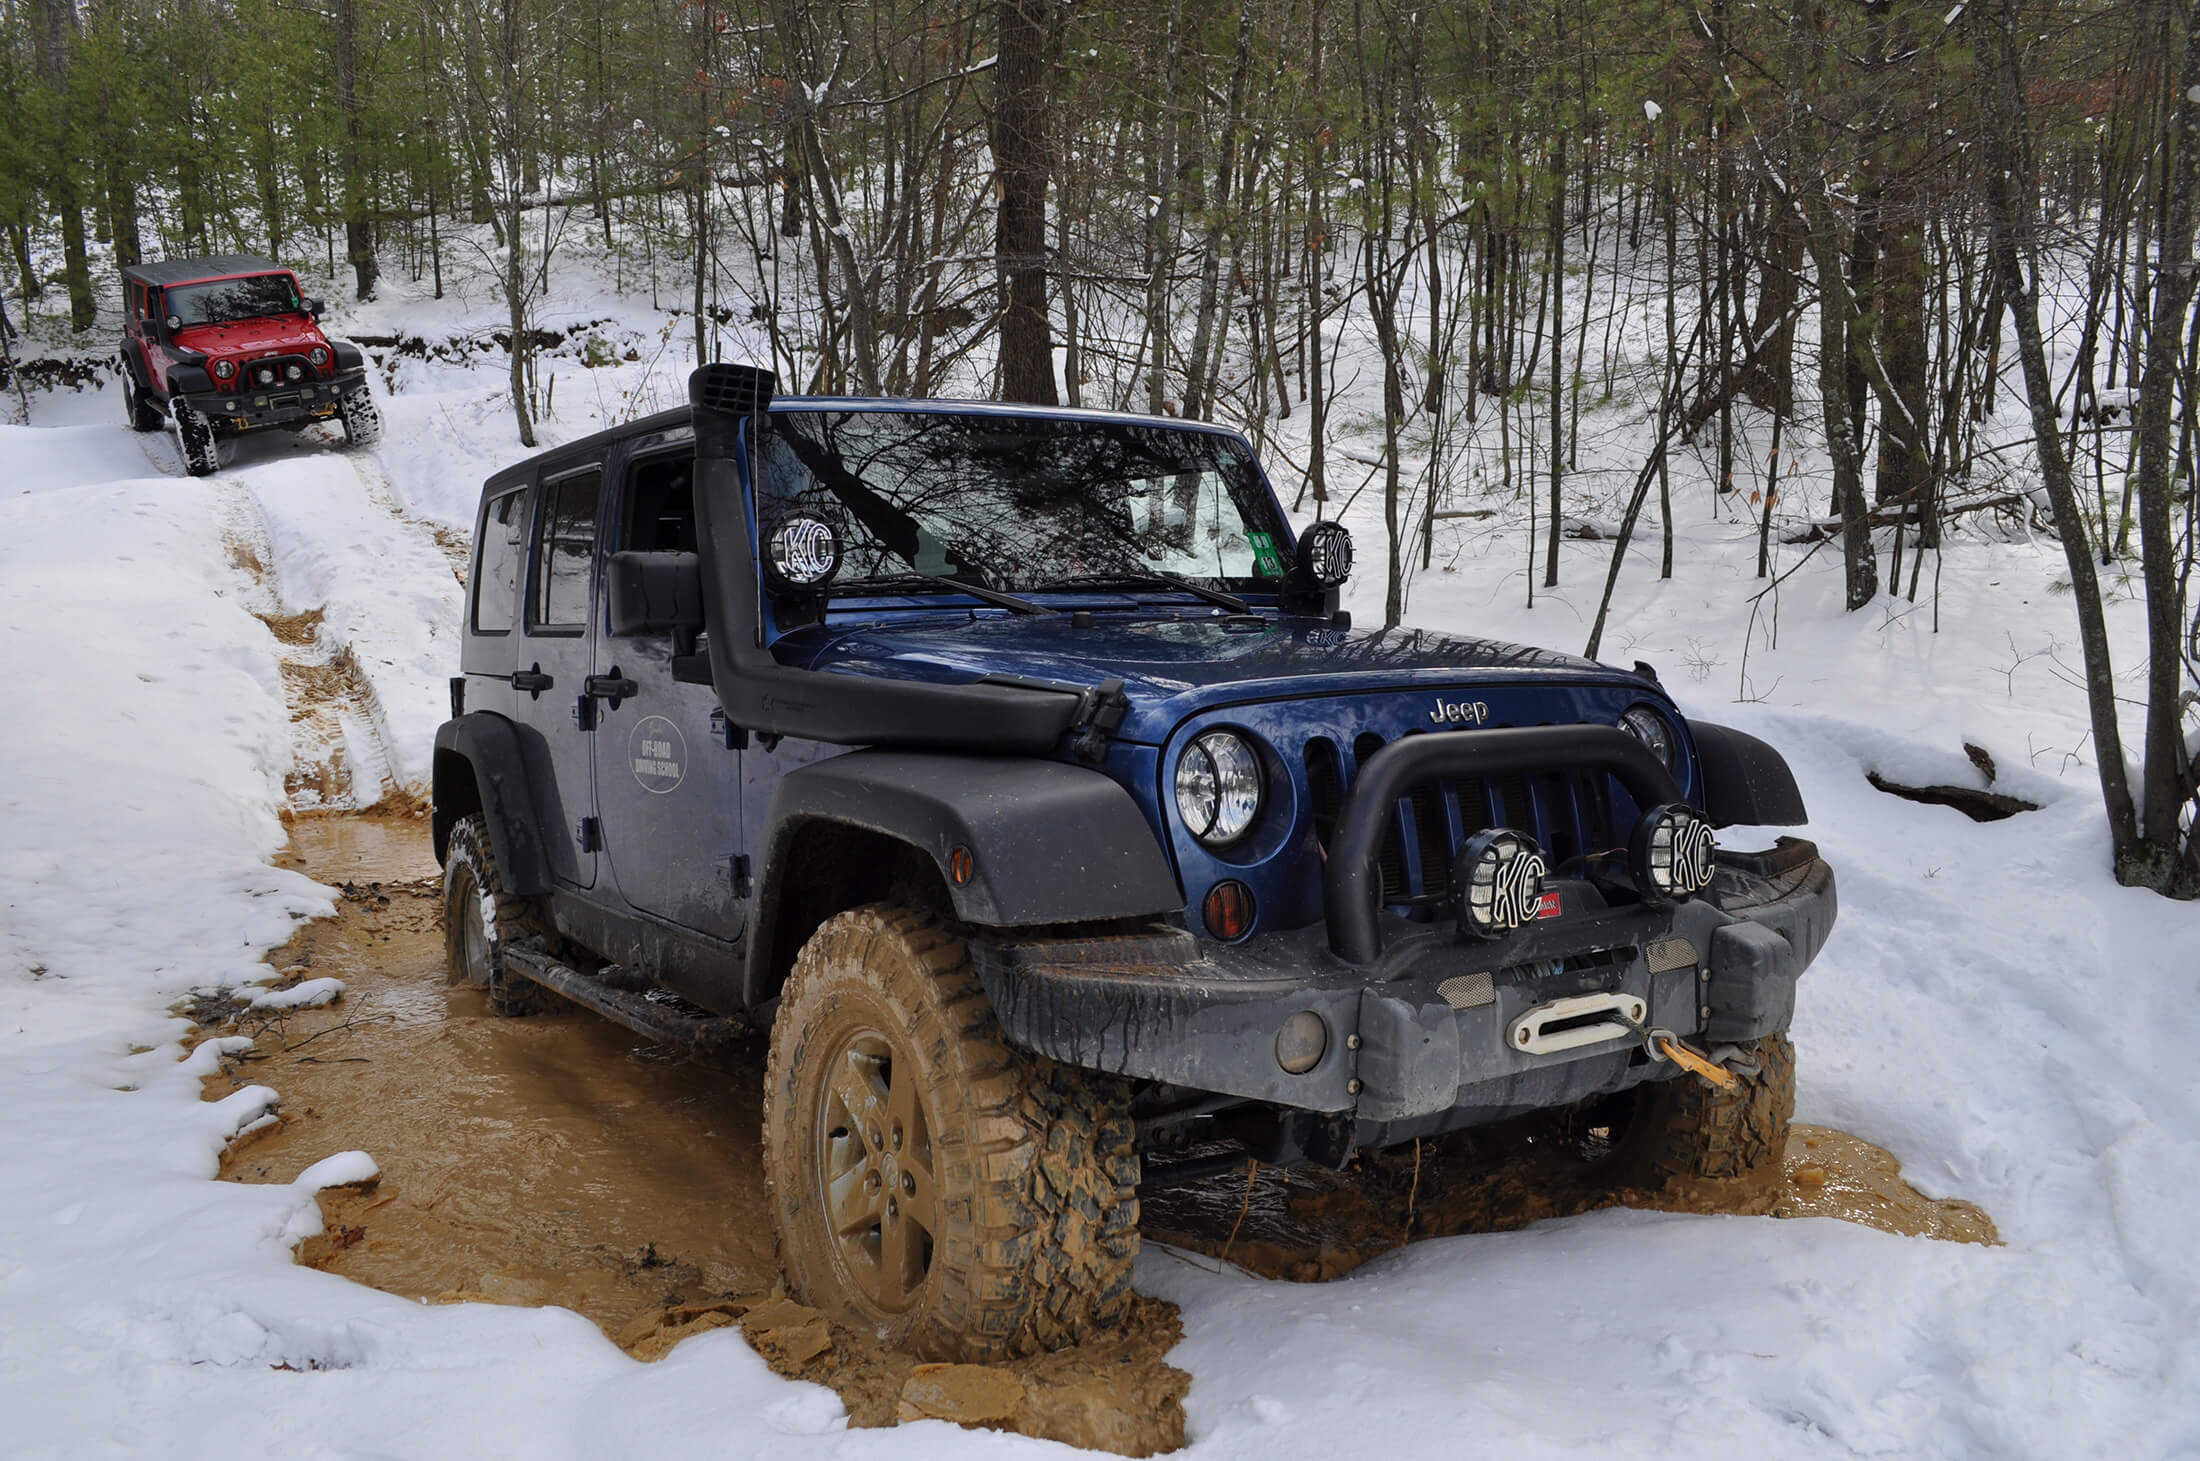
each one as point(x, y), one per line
point(1016, 769)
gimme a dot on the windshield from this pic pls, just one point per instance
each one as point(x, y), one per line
point(224, 300)
point(1024, 503)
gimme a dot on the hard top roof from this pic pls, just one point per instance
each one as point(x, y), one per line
point(191, 271)
point(594, 448)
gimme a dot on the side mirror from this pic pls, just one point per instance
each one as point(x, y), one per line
point(652, 593)
point(312, 306)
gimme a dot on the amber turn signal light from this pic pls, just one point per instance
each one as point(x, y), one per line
point(1228, 909)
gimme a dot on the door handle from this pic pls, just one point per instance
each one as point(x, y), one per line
point(613, 687)
point(533, 681)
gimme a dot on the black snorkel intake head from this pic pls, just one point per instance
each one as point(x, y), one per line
point(724, 396)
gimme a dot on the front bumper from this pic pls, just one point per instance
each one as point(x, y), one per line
point(1423, 1038)
point(286, 405)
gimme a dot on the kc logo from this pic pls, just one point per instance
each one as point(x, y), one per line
point(1460, 712)
point(1518, 897)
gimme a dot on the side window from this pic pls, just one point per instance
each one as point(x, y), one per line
point(565, 548)
point(659, 513)
point(496, 573)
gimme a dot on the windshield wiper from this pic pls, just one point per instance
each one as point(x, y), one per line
point(890, 581)
point(1150, 578)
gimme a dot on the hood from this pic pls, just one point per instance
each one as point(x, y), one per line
point(1174, 666)
point(271, 335)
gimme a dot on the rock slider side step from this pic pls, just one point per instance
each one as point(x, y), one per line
point(667, 1019)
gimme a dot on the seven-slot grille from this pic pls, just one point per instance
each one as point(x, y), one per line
point(1568, 813)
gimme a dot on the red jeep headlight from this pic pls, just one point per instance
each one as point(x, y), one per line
point(224, 369)
point(319, 357)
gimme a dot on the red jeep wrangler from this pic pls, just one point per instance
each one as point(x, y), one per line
point(228, 345)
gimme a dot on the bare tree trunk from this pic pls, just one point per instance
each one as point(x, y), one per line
point(2011, 186)
point(358, 227)
point(2168, 783)
point(1161, 226)
point(1023, 159)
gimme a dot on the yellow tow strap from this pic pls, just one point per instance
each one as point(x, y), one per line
point(1688, 1059)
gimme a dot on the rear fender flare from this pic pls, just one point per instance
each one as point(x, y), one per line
point(478, 769)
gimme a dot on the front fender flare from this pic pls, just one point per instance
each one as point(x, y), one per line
point(1746, 782)
point(1048, 842)
point(478, 768)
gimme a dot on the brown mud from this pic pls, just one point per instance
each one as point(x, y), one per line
point(561, 1160)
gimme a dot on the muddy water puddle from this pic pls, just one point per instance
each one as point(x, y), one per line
point(561, 1160)
point(1311, 1225)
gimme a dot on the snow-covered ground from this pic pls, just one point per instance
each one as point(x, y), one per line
point(1992, 1008)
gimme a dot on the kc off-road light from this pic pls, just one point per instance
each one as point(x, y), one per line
point(224, 369)
point(801, 552)
point(1652, 729)
point(1672, 852)
point(294, 371)
point(1218, 787)
point(1325, 553)
point(1499, 875)
point(319, 357)
point(264, 376)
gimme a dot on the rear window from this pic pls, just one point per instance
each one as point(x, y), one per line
point(496, 574)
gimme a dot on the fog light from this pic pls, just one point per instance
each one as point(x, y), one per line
point(1499, 874)
point(1228, 910)
point(294, 372)
point(1672, 852)
point(1302, 1042)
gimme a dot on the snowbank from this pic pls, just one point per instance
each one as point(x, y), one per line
point(1992, 1008)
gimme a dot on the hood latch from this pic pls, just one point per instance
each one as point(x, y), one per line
point(1100, 709)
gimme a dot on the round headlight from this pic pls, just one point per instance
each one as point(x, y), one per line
point(1499, 874)
point(1653, 730)
point(1672, 852)
point(265, 375)
point(224, 369)
point(294, 371)
point(319, 357)
point(1218, 787)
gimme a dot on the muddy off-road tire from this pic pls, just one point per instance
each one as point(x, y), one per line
point(964, 1199)
point(362, 422)
point(143, 415)
point(200, 456)
point(1688, 1128)
point(479, 918)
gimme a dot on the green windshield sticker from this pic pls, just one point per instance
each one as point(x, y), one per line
point(1266, 563)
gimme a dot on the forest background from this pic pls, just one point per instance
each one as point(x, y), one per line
point(1750, 229)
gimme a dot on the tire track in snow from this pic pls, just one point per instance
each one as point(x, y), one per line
point(338, 733)
point(376, 483)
